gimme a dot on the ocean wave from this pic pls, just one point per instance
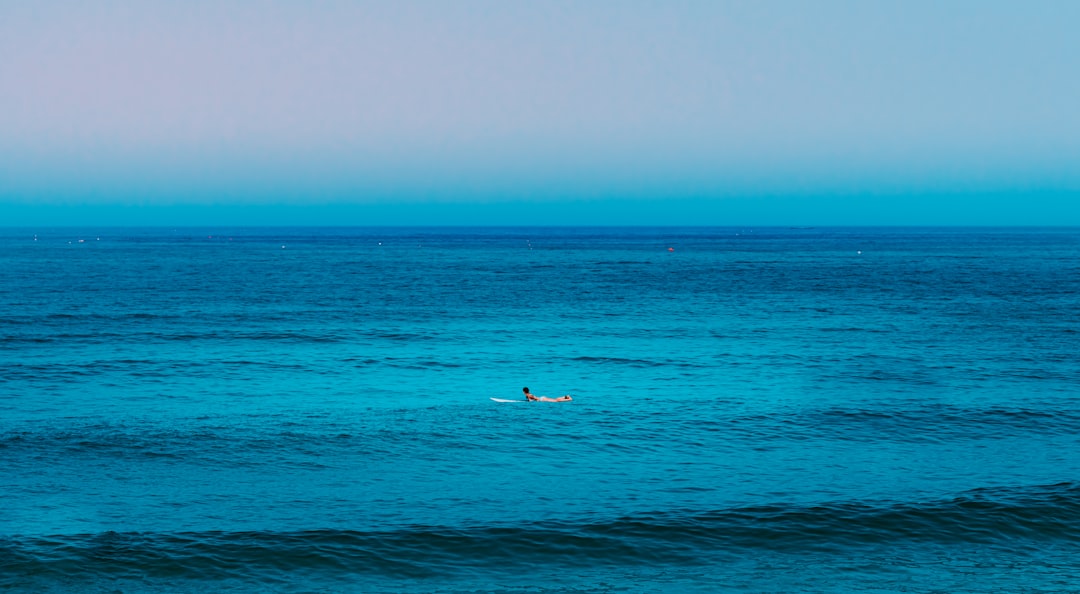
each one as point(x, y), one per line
point(138, 368)
point(941, 422)
point(243, 442)
point(1019, 519)
point(637, 363)
point(213, 439)
point(262, 336)
point(98, 336)
point(876, 422)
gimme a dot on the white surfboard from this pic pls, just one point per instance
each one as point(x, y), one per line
point(505, 400)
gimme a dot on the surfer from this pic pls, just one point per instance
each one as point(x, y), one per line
point(530, 396)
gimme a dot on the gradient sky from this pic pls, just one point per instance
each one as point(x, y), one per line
point(541, 112)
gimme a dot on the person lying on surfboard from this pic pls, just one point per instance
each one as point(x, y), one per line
point(529, 396)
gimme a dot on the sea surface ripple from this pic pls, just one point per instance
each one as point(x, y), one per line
point(755, 410)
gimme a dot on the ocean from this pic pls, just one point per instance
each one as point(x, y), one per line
point(754, 410)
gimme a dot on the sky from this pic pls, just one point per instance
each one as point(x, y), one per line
point(473, 112)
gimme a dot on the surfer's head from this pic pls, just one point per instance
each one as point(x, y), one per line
point(525, 389)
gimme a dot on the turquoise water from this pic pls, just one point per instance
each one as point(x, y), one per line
point(754, 409)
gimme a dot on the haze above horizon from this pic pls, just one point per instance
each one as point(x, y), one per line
point(495, 113)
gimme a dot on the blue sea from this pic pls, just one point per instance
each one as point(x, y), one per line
point(754, 410)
